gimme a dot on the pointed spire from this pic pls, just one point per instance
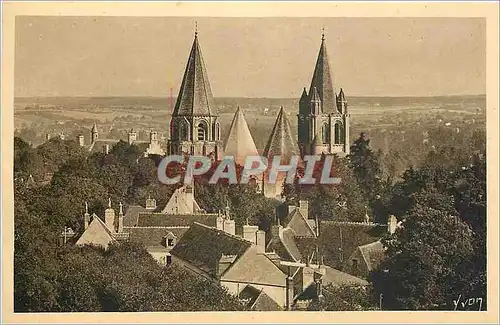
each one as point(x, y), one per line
point(341, 97)
point(195, 95)
point(315, 96)
point(281, 141)
point(121, 209)
point(94, 128)
point(109, 203)
point(86, 208)
point(239, 142)
point(322, 79)
point(195, 29)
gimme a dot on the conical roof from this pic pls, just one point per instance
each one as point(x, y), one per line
point(195, 96)
point(281, 142)
point(239, 142)
point(94, 128)
point(322, 80)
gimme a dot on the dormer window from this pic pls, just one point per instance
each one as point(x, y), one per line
point(170, 242)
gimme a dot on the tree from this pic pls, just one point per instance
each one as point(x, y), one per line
point(427, 261)
point(345, 298)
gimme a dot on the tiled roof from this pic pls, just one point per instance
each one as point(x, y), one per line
point(195, 95)
point(373, 254)
point(99, 144)
point(281, 141)
point(153, 236)
point(203, 246)
point(336, 277)
point(132, 215)
point(265, 303)
point(346, 236)
point(169, 220)
point(322, 81)
point(289, 243)
point(239, 142)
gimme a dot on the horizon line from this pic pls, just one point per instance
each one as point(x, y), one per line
point(241, 97)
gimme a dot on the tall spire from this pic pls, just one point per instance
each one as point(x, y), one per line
point(195, 95)
point(239, 143)
point(281, 142)
point(322, 79)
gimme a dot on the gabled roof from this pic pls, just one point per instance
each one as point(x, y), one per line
point(195, 95)
point(99, 144)
point(132, 215)
point(175, 220)
point(336, 277)
point(181, 202)
point(347, 236)
point(372, 253)
point(281, 141)
point(300, 225)
point(239, 142)
point(203, 246)
point(288, 241)
point(97, 233)
point(258, 300)
point(322, 80)
point(153, 236)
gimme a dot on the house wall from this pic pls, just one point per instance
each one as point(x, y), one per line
point(269, 278)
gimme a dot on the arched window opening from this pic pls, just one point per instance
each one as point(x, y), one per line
point(337, 133)
point(325, 131)
point(183, 131)
point(202, 132)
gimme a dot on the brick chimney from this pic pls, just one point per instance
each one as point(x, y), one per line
point(260, 241)
point(150, 204)
point(109, 217)
point(250, 233)
point(289, 292)
point(230, 226)
point(86, 216)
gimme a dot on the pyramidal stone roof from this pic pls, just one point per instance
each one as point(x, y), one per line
point(281, 142)
point(239, 143)
point(322, 80)
point(195, 96)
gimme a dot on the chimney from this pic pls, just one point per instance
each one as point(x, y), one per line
point(81, 140)
point(304, 208)
point(132, 136)
point(249, 233)
point(260, 241)
point(220, 222)
point(392, 224)
point(230, 226)
point(106, 149)
point(47, 137)
point(109, 217)
point(86, 216)
point(120, 218)
point(150, 204)
point(289, 292)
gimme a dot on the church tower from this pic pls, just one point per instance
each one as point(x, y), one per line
point(195, 127)
point(323, 120)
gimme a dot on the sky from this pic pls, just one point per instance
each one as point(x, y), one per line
point(249, 57)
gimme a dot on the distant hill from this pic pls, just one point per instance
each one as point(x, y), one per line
point(225, 104)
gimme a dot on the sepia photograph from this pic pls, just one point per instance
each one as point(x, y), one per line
point(202, 163)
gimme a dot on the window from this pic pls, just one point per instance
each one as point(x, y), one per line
point(170, 242)
point(325, 130)
point(202, 132)
point(183, 131)
point(169, 259)
point(339, 133)
point(355, 263)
